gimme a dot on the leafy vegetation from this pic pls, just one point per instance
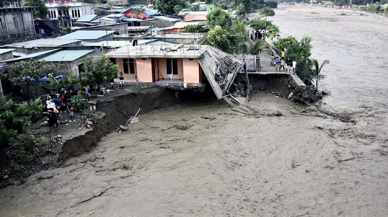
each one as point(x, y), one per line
point(138, 11)
point(79, 102)
point(65, 31)
point(40, 9)
point(17, 118)
point(218, 17)
point(317, 71)
point(61, 85)
point(257, 47)
point(31, 71)
point(167, 6)
point(98, 71)
point(219, 38)
point(200, 28)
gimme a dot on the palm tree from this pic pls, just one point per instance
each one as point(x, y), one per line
point(272, 32)
point(257, 47)
point(317, 71)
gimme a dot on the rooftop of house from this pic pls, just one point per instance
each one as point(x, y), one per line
point(171, 19)
point(116, 44)
point(195, 17)
point(3, 51)
point(48, 42)
point(138, 28)
point(66, 55)
point(87, 34)
point(20, 8)
point(182, 25)
point(159, 51)
point(30, 56)
point(71, 4)
point(86, 18)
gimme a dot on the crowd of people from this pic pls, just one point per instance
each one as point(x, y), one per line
point(281, 64)
point(54, 108)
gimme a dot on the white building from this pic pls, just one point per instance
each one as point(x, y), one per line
point(68, 12)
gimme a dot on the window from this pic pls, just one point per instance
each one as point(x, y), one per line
point(72, 13)
point(191, 59)
point(168, 64)
point(131, 66)
point(113, 60)
point(175, 66)
point(81, 68)
point(172, 66)
point(55, 14)
point(59, 13)
point(125, 65)
point(1, 24)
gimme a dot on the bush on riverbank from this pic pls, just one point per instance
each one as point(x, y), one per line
point(17, 118)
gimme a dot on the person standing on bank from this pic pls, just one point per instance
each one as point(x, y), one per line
point(121, 77)
point(294, 66)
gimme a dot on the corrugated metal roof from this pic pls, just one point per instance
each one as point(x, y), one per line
point(168, 18)
point(66, 55)
point(86, 18)
point(84, 35)
point(119, 43)
point(2, 51)
point(30, 56)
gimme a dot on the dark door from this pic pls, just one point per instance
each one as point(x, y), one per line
point(125, 65)
point(175, 66)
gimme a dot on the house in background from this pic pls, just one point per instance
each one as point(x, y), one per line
point(195, 17)
point(68, 12)
point(146, 14)
point(16, 24)
point(33, 46)
point(70, 62)
point(90, 36)
point(179, 27)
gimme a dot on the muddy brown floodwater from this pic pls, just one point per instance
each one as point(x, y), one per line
point(268, 158)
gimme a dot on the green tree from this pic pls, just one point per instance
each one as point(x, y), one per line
point(238, 36)
point(288, 44)
point(138, 10)
point(167, 6)
point(247, 4)
point(317, 71)
point(98, 72)
point(196, 28)
point(257, 47)
point(259, 25)
point(40, 11)
point(272, 32)
point(177, 8)
point(267, 12)
point(219, 38)
point(17, 118)
point(61, 85)
point(65, 31)
point(241, 11)
point(31, 71)
point(218, 17)
point(109, 5)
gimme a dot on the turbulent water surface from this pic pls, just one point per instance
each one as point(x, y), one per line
point(268, 158)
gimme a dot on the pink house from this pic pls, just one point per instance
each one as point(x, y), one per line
point(160, 65)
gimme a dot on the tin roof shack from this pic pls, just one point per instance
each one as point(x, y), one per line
point(16, 24)
point(6, 54)
point(184, 67)
point(117, 28)
point(33, 46)
point(90, 36)
point(70, 61)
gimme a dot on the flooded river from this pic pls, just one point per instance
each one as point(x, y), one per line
point(268, 158)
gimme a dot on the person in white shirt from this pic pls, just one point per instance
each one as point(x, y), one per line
point(293, 66)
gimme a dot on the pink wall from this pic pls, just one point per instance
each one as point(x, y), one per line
point(191, 71)
point(144, 67)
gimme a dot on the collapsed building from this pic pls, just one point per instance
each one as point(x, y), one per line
point(185, 67)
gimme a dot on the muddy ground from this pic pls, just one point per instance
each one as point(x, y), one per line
point(271, 157)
